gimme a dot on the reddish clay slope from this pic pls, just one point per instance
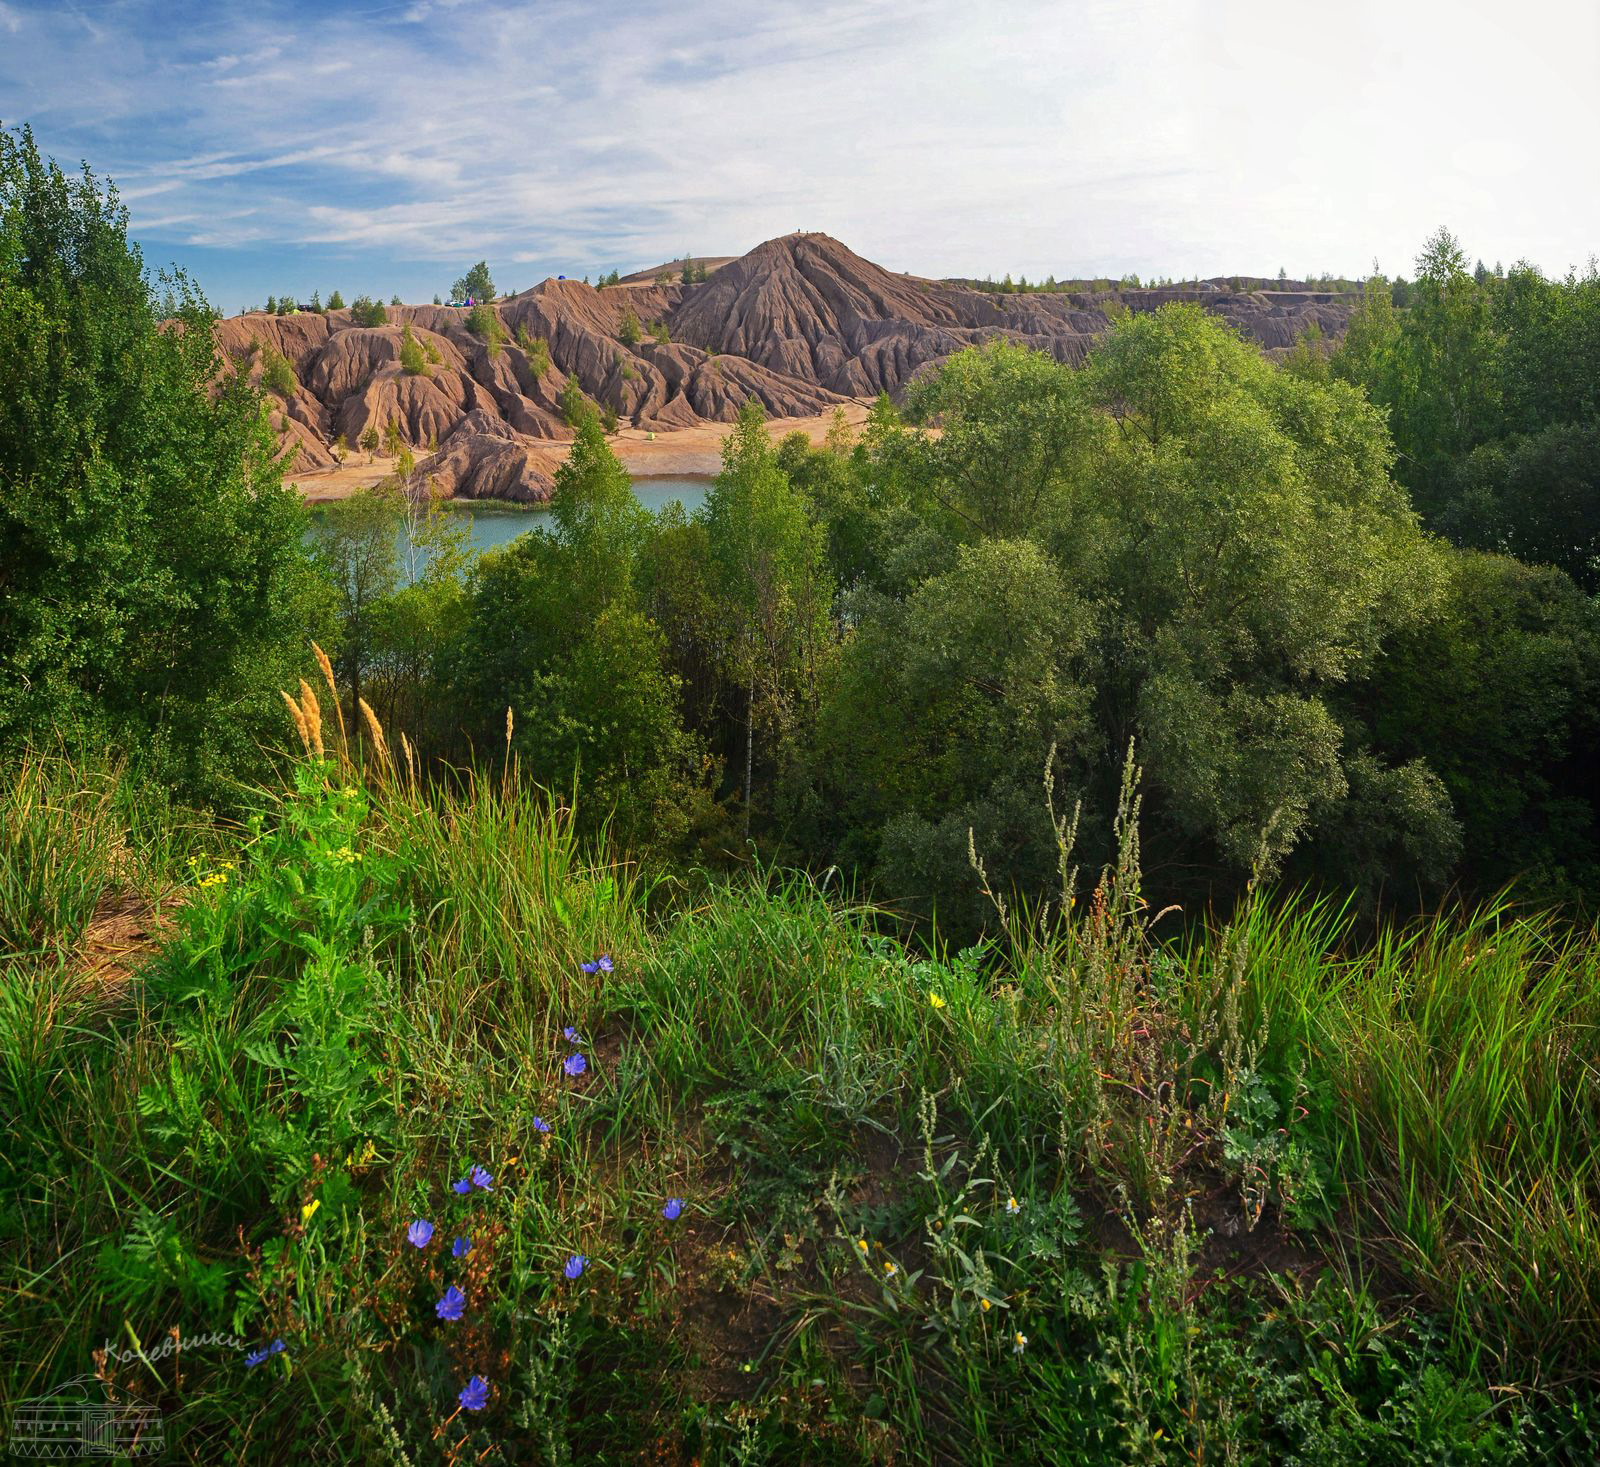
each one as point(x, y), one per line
point(800, 323)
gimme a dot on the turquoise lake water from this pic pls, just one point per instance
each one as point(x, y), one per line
point(497, 524)
point(493, 525)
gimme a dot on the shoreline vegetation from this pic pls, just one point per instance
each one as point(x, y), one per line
point(1053, 923)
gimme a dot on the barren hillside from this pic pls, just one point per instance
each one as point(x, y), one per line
point(801, 323)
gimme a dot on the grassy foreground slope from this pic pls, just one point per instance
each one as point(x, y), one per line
point(1266, 1195)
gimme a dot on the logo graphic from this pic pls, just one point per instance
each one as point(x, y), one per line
point(78, 1419)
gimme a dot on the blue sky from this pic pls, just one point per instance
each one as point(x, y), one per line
point(284, 147)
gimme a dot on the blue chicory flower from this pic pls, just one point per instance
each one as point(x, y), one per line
point(462, 1187)
point(255, 1357)
point(480, 1179)
point(575, 1265)
point(452, 1305)
point(541, 1125)
point(420, 1233)
point(673, 1210)
point(603, 962)
point(574, 1065)
point(570, 1034)
point(461, 1247)
point(475, 1394)
point(590, 967)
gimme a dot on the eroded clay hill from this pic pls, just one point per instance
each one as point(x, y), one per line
point(800, 323)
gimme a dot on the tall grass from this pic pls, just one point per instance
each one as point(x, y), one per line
point(58, 847)
point(894, 1164)
point(1456, 1062)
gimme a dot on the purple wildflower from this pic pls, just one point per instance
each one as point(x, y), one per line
point(461, 1247)
point(475, 1394)
point(462, 1187)
point(570, 1034)
point(420, 1233)
point(255, 1357)
point(673, 1210)
point(574, 1065)
point(452, 1305)
point(480, 1179)
point(575, 1265)
point(541, 1125)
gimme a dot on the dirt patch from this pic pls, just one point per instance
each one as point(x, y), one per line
point(125, 932)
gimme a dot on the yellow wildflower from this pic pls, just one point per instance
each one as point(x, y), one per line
point(936, 1000)
point(309, 1210)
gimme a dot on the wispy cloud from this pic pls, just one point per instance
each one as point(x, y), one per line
point(933, 134)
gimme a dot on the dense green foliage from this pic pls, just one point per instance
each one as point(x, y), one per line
point(365, 311)
point(413, 358)
point(154, 589)
point(1492, 385)
point(477, 285)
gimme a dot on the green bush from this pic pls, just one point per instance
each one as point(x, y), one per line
point(277, 375)
point(364, 311)
point(483, 321)
point(413, 359)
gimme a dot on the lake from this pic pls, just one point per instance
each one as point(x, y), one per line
point(493, 525)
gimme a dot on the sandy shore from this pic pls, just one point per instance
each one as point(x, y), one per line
point(689, 453)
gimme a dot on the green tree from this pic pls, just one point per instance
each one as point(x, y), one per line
point(554, 628)
point(1499, 695)
point(477, 285)
point(413, 359)
point(771, 582)
point(629, 333)
point(356, 546)
point(277, 375)
point(364, 311)
point(484, 322)
point(1225, 552)
point(1013, 431)
point(155, 589)
point(572, 402)
point(335, 302)
point(369, 441)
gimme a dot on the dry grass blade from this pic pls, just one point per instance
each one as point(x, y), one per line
point(312, 712)
point(299, 720)
point(375, 728)
point(333, 690)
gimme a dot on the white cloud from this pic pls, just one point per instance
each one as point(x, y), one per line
point(1088, 137)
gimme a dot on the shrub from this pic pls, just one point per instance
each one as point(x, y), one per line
point(276, 373)
point(483, 322)
point(537, 350)
point(413, 359)
point(364, 311)
point(629, 333)
point(573, 403)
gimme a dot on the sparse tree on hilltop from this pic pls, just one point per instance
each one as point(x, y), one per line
point(335, 302)
point(476, 285)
